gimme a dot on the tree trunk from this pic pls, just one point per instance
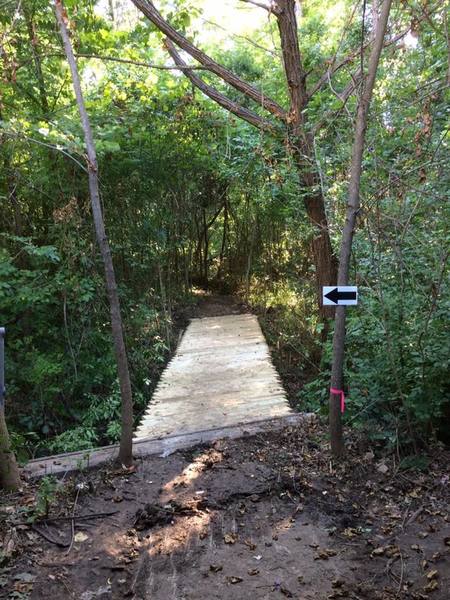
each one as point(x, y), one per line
point(9, 472)
point(302, 146)
point(125, 452)
point(205, 255)
point(325, 261)
point(353, 204)
point(224, 239)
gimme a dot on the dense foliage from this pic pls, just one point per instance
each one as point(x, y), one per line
point(195, 197)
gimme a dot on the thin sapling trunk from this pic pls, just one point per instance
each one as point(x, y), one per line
point(125, 452)
point(353, 205)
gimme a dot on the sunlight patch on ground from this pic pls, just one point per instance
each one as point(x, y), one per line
point(192, 471)
point(182, 534)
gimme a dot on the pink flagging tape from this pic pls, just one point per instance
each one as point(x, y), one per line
point(342, 395)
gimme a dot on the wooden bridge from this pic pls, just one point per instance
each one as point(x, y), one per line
point(220, 383)
point(221, 375)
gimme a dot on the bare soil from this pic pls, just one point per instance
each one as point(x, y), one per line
point(210, 305)
point(262, 517)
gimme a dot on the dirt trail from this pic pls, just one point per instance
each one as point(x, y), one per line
point(261, 517)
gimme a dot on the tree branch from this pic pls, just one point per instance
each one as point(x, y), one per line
point(293, 66)
point(233, 107)
point(148, 9)
point(138, 63)
point(241, 37)
point(271, 8)
point(334, 67)
point(329, 116)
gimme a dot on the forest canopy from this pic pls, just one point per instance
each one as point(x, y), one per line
point(199, 196)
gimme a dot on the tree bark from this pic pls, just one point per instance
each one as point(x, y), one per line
point(353, 204)
point(224, 239)
point(125, 452)
point(9, 472)
point(302, 145)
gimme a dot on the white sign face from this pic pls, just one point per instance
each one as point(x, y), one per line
point(339, 295)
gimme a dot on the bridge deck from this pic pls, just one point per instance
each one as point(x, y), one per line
point(221, 375)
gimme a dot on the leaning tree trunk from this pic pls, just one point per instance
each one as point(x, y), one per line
point(353, 204)
point(125, 452)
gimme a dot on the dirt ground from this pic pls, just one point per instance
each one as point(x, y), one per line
point(269, 516)
point(209, 305)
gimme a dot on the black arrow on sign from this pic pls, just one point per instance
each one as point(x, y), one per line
point(335, 295)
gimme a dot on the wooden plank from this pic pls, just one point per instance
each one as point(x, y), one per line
point(73, 461)
point(175, 405)
point(167, 427)
point(250, 389)
point(205, 414)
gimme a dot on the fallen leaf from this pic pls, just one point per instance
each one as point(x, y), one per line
point(215, 568)
point(250, 544)
point(432, 586)
point(230, 538)
point(350, 532)
point(23, 588)
point(234, 579)
point(339, 593)
point(382, 468)
point(80, 537)
point(253, 571)
point(436, 556)
point(432, 575)
point(324, 554)
point(392, 551)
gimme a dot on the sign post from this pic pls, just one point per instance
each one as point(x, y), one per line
point(339, 295)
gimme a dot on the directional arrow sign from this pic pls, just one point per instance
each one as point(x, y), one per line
point(342, 295)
